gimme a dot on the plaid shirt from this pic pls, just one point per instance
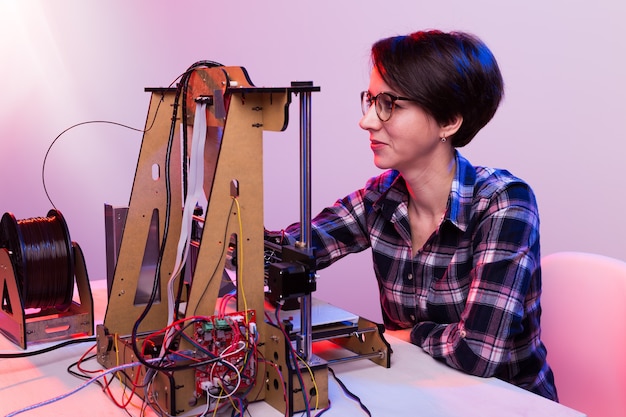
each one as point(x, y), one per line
point(471, 294)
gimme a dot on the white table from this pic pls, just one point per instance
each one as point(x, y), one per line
point(415, 385)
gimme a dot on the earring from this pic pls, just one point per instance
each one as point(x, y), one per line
point(443, 139)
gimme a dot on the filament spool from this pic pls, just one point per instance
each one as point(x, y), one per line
point(42, 257)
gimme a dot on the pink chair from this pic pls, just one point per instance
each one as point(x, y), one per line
point(584, 329)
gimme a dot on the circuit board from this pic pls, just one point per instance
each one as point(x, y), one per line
point(228, 343)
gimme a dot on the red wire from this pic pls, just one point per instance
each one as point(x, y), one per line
point(107, 383)
point(282, 384)
point(82, 358)
point(132, 392)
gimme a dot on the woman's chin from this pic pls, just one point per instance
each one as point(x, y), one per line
point(381, 164)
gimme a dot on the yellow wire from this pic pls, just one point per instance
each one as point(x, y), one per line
point(230, 398)
point(219, 398)
point(216, 404)
point(119, 373)
point(317, 393)
point(240, 260)
point(117, 353)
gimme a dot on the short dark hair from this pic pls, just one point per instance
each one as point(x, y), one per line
point(447, 74)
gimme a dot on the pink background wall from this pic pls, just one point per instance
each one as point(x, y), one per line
point(71, 61)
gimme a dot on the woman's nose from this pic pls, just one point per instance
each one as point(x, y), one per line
point(370, 119)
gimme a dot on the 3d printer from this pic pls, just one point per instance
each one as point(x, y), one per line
point(200, 335)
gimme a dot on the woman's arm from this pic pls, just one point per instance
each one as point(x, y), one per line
point(336, 231)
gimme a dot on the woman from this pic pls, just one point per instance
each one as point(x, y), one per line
point(455, 247)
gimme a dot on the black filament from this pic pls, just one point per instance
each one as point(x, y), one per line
point(42, 258)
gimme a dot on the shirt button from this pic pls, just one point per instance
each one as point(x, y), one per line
point(410, 277)
point(412, 317)
point(463, 333)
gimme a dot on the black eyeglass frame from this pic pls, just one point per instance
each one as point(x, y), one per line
point(374, 99)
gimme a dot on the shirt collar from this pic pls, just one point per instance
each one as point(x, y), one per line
point(461, 193)
point(459, 201)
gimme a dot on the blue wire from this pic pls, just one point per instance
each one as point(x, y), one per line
point(349, 394)
point(294, 359)
point(74, 391)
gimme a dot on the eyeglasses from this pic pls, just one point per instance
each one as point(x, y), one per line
point(385, 103)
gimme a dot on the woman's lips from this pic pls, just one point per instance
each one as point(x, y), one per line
point(375, 145)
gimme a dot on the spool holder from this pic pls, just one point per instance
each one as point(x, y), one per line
point(24, 326)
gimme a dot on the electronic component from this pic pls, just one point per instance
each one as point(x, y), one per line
point(230, 340)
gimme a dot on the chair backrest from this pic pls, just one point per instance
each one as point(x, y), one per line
point(584, 329)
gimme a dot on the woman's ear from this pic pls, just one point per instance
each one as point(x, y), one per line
point(451, 128)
